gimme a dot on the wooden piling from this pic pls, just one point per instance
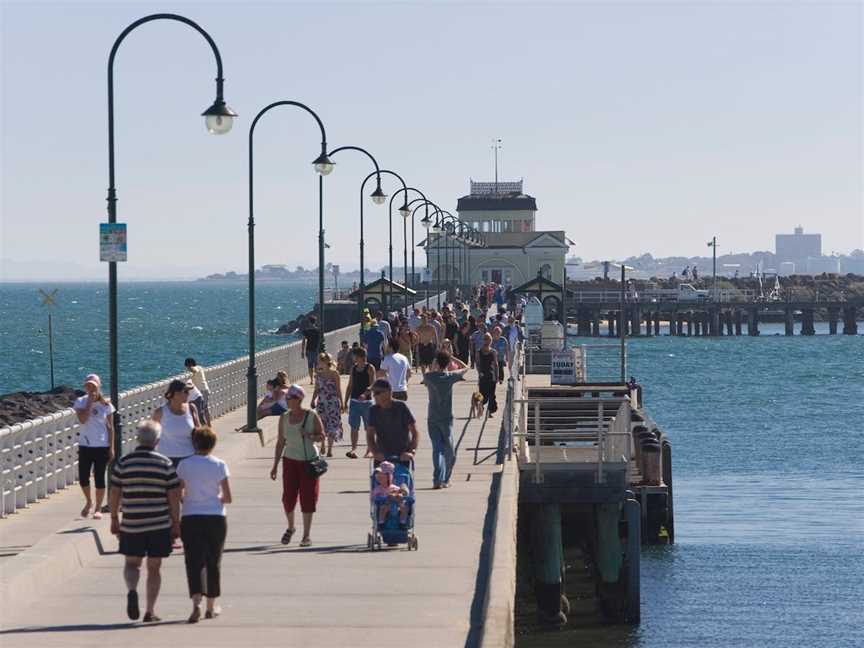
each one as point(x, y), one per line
point(833, 312)
point(739, 317)
point(789, 319)
point(807, 322)
point(657, 323)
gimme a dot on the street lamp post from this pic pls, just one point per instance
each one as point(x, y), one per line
point(218, 118)
point(713, 245)
point(405, 211)
point(379, 200)
point(323, 166)
point(378, 197)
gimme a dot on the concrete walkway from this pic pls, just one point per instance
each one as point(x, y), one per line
point(335, 593)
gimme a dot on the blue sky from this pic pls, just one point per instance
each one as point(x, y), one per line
point(638, 127)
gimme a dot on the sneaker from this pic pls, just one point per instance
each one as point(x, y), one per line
point(132, 610)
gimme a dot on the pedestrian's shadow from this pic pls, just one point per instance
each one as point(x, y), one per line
point(98, 540)
point(333, 549)
point(88, 627)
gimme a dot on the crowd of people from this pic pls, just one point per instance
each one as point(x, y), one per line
point(171, 488)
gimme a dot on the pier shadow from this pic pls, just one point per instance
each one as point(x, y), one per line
point(332, 549)
point(96, 539)
point(90, 627)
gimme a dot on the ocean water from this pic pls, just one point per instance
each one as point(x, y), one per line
point(767, 437)
point(768, 474)
point(160, 324)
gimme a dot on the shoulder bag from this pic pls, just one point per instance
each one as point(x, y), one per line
point(314, 467)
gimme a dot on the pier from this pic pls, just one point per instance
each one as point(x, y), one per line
point(597, 313)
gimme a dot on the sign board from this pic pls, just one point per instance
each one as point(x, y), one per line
point(112, 242)
point(568, 367)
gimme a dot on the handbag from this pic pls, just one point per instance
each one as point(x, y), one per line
point(314, 467)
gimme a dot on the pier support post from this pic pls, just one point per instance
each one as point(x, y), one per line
point(595, 324)
point(611, 320)
point(648, 330)
point(807, 327)
point(680, 323)
point(635, 321)
point(689, 324)
point(716, 328)
point(728, 318)
point(833, 312)
point(609, 550)
point(739, 317)
point(549, 562)
point(657, 323)
point(753, 322)
point(850, 326)
point(790, 321)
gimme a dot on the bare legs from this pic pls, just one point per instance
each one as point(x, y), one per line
point(132, 573)
point(89, 503)
point(307, 523)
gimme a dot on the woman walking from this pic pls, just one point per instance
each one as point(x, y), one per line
point(201, 400)
point(327, 401)
point(299, 430)
point(95, 442)
point(487, 371)
point(178, 418)
point(462, 342)
point(203, 526)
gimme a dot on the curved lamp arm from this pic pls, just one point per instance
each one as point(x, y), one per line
point(377, 173)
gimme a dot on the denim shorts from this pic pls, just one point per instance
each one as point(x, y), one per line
point(311, 359)
point(358, 410)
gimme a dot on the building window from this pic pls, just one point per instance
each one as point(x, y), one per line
point(546, 270)
point(484, 275)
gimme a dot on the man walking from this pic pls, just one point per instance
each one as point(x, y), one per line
point(397, 370)
point(311, 345)
point(375, 344)
point(427, 343)
point(439, 382)
point(391, 431)
point(145, 484)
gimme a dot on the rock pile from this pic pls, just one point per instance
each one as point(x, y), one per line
point(22, 406)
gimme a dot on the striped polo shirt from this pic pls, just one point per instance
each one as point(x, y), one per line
point(144, 477)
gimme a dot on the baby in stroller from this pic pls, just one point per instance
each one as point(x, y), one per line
point(386, 494)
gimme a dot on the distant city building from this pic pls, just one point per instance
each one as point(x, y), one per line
point(515, 250)
point(820, 264)
point(787, 268)
point(797, 247)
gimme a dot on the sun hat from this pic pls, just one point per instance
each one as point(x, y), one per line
point(93, 379)
point(296, 391)
point(387, 468)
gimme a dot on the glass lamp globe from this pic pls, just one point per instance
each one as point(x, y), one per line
point(405, 210)
point(378, 196)
point(323, 165)
point(218, 124)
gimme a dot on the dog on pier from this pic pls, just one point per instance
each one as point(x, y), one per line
point(476, 405)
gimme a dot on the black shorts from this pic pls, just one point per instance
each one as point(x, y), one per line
point(155, 544)
point(375, 362)
point(400, 395)
point(427, 354)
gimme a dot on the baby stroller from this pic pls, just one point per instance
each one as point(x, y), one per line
point(392, 530)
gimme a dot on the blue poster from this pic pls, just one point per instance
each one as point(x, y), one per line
point(112, 242)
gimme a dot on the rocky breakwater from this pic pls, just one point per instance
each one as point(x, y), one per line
point(23, 406)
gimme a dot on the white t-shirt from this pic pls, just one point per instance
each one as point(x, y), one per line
point(202, 476)
point(194, 395)
point(94, 433)
point(396, 365)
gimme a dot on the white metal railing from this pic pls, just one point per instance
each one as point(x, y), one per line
point(652, 296)
point(611, 438)
point(39, 456)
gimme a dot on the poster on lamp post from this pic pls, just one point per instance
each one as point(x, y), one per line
point(112, 242)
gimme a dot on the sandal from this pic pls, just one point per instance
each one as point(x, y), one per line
point(149, 617)
point(97, 515)
point(212, 614)
point(305, 542)
point(195, 616)
point(351, 454)
point(286, 537)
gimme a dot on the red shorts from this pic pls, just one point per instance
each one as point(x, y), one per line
point(296, 481)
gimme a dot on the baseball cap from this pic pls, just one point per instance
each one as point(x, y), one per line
point(94, 379)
